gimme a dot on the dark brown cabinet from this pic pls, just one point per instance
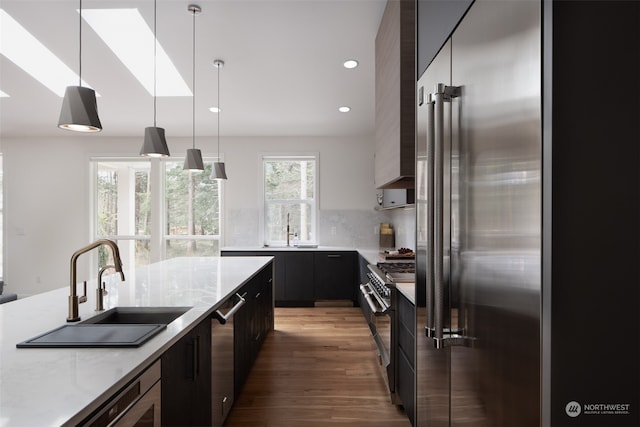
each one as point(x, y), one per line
point(303, 277)
point(186, 379)
point(252, 324)
point(293, 278)
point(335, 275)
point(395, 81)
point(406, 387)
point(298, 281)
point(187, 365)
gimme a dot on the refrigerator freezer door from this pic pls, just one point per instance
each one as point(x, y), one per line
point(489, 251)
point(496, 206)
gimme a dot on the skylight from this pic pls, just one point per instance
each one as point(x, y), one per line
point(127, 34)
point(24, 50)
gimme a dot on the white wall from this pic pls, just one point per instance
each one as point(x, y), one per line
point(47, 202)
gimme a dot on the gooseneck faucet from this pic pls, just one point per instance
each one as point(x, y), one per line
point(102, 288)
point(289, 233)
point(74, 299)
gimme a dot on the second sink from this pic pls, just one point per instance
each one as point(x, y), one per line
point(138, 315)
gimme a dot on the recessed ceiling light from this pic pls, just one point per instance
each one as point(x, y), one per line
point(344, 109)
point(3, 95)
point(24, 50)
point(127, 34)
point(350, 63)
point(215, 109)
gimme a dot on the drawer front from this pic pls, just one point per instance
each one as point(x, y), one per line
point(406, 342)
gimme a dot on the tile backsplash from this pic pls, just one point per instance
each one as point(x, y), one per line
point(342, 228)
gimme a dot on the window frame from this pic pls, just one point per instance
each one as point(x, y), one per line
point(158, 213)
point(315, 208)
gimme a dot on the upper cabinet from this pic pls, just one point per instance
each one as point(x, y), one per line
point(436, 21)
point(395, 96)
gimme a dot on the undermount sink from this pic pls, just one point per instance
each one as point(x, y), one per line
point(117, 327)
point(137, 315)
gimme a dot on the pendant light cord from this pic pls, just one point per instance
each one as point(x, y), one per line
point(80, 47)
point(193, 106)
point(219, 111)
point(155, 47)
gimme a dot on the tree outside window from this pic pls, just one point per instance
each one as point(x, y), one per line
point(192, 206)
point(184, 220)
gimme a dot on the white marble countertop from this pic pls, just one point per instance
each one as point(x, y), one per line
point(408, 290)
point(372, 256)
point(61, 386)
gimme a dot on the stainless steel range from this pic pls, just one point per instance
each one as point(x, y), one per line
point(378, 302)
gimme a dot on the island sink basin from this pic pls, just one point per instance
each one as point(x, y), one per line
point(117, 327)
point(137, 316)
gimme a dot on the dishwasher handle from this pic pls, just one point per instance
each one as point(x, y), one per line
point(222, 318)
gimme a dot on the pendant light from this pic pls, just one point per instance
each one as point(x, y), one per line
point(79, 110)
point(218, 170)
point(155, 144)
point(193, 160)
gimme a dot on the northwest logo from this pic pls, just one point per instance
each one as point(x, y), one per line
point(573, 409)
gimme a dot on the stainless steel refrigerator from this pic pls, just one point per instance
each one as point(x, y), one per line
point(478, 196)
point(527, 189)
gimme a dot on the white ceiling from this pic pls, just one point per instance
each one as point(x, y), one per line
point(283, 71)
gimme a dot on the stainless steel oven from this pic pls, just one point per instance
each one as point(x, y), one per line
point(378, 301)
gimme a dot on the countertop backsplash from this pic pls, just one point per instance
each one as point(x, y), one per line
point(404, 225)
point(337, 228)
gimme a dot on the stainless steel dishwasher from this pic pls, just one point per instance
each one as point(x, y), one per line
point(222, 359)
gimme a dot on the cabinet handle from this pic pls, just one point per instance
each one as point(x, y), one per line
point(196, 357)
point(334, 256)
point(258, 295)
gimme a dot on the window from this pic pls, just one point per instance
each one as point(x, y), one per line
point(123, 210)
point(155, 210)
point(290, 189)
point(1, 223)
point(192, 212)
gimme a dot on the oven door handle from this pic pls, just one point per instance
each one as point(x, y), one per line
point(367, 296)
point(366, 293)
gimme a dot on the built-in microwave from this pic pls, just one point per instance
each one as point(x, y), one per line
point(396, 197)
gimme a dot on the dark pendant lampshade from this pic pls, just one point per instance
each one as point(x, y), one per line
point(155, 144)
point(79, 110)
point(218, 171)
point(193, 161)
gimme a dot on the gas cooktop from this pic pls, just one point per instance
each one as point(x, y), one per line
point(398, 271)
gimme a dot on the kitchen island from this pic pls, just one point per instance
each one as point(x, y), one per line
point(62, 386)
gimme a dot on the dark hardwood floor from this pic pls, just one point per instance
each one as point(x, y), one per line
point(317, 368)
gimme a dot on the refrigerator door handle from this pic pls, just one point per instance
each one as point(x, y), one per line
point(441, 336)
point(430, 285)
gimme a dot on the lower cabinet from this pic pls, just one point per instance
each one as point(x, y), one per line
point(405, 381)
point(298, 282)
point(187, 374)
point(304, 276)
point(186, 379)
point(252, 323)
point(335, 275)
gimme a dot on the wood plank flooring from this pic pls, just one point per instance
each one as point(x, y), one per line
point(317, 368)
